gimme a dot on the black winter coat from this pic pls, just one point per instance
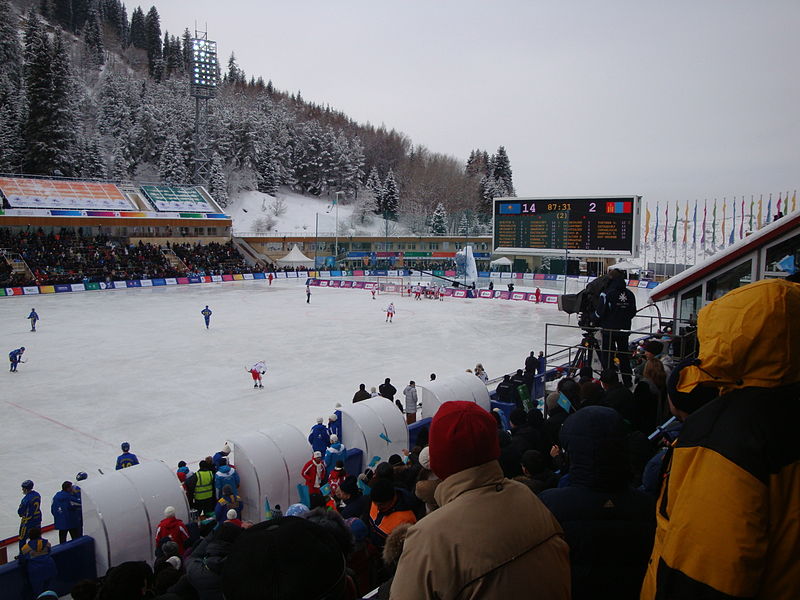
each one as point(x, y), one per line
point(608, 525)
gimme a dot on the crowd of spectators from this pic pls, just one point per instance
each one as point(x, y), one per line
point(211, 259)
point(68, 256)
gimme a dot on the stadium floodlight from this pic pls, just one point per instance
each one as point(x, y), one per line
point(203, 68)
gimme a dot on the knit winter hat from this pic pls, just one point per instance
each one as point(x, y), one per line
point(462, 435)
point(349, 485)
point(425, 458)
point(169, 511)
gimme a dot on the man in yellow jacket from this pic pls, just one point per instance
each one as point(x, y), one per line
point(728, 516)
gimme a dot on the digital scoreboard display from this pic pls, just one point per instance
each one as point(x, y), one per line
point(580, 226)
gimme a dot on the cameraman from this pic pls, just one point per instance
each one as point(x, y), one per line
point(615, 310)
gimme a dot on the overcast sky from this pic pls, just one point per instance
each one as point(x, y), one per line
point(671, 100)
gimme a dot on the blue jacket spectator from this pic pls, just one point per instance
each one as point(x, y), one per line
point(336, 451)
point(218, 457)
point(39, 565)
point(609, 526)
point(319, 438)
point(67, 512)
point(226, 475)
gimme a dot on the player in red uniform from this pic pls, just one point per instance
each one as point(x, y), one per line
point(390, 312)
point(256, 371)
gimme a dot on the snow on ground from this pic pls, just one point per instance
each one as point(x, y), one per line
point(300, 217)
point(139, 366)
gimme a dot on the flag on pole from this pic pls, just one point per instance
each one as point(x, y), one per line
point(794, 201)
point(714, 227)
point(646, 223)
point(732, 238)
point(685, 222)
point(779, 201)
point(655, 229)
point(769, 210)
point(752, 206)
point(666, 222)
point(705, 214)
point(760, 213)
point(694, 225)
point(675, 227)
point(724, 211)
point(741, 223)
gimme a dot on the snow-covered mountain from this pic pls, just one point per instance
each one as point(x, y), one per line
point(289, 213)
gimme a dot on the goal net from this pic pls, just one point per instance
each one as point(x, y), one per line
point(392, 285)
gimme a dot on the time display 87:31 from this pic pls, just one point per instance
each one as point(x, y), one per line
point(554, 206)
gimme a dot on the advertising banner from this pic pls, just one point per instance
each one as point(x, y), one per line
point(43, 289)
point(30, 290)
point(238, 277)
point(133, 283)
point(182, 280)
point(519, 295)
point(247, 276)
point(171, 281)
point(459, 293)
point(485, 294)
point(159, 281)
point(494, 275)
point(194, 279)
point(77, 287)
point(61, 287)
point(259, 275)
point(92, 286)
point(146, 282)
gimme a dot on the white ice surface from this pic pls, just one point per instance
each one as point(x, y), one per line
point(138, 365)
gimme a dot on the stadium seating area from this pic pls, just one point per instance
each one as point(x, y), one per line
point(172, 199)
point(69, 257)
point(211, 259)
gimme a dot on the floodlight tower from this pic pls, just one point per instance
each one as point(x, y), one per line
point(202, 87)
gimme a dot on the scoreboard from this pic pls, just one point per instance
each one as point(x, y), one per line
point(579, 226)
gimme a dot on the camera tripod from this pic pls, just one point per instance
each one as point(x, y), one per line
point(585, 354)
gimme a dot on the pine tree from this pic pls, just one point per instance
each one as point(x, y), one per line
point(51, 118)
point(268, 170)
point(375, 186)
point(92, 165)
point(93, 39)
point(10, 52)
point(62, 12)
point(138, 36)
point(439, 220)
point(186, 51)
point(171, 167)
point(502, 172)
point(391, 195)
point(119, 169)
point(152, 32)
point(465, 225)
point(218, 185)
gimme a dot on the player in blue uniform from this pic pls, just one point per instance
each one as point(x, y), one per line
point(30, 511)
point(126, 459)
point(33, 317)
point(206, 312)
point(15, 356)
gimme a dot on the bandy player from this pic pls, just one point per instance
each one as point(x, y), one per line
point(390, 312)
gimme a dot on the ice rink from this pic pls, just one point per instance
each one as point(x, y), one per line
point(138, 365)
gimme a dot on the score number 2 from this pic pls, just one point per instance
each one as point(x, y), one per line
point(592, 207)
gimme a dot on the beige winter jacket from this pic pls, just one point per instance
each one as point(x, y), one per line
point(491, 538)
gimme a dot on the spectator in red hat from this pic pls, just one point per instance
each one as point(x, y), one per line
point(491, 537)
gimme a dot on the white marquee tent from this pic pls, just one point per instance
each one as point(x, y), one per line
point(295, 258)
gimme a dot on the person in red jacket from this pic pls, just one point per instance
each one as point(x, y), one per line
point(173, 528)
point(314, 473)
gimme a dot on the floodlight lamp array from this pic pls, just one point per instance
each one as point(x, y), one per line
point(204, 63)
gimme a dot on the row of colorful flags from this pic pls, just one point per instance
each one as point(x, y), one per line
point(755, 219)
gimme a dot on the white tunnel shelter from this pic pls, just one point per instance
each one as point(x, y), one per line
point(376, 427)
point(269, 462)
point(122, 510)
point(464, 386)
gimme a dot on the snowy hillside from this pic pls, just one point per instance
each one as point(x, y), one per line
point(289, 213)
